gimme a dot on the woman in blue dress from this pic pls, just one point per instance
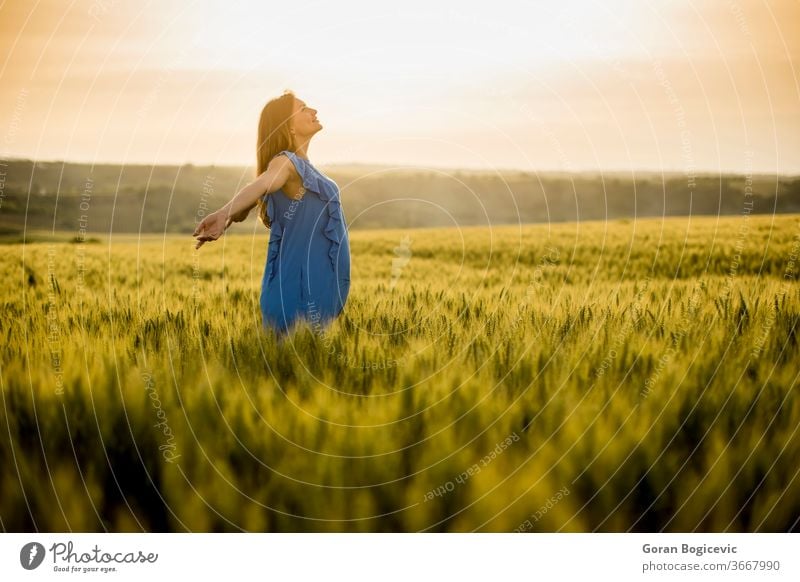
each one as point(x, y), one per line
point(307, 273)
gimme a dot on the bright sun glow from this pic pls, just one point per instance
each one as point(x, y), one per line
point(578, 85)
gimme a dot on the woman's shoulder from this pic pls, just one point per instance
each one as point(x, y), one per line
point(292, 160)
point(291, 155)
point(301, 165)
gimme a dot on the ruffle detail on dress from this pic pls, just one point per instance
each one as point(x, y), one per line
point(335, 225)
point(276, 234)
point(326, 192)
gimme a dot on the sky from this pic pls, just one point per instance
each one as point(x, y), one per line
point(613, 85)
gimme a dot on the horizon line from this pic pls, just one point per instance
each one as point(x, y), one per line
point(642, 170)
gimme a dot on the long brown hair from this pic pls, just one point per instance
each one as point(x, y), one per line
point(274, 136)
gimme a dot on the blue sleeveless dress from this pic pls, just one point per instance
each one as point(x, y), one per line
point(307, 274)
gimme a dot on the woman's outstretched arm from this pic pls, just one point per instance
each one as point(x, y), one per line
point(236, 210)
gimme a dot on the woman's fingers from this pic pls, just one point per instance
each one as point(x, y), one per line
point(204, 238)
point(200, 227)
point(210, 229)
point(207, 237)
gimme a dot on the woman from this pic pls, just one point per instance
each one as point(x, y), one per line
point(307, 273)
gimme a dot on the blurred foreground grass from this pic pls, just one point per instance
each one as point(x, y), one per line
point(633, 375)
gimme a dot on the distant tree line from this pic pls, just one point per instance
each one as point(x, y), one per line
point(155, 199)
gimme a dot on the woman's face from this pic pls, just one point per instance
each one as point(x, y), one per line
point(304, 120)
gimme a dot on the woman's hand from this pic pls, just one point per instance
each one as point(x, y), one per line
point(212, 227)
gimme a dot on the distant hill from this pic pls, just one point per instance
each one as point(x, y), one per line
point(156, 199)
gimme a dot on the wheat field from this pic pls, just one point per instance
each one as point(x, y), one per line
point(635, 375)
